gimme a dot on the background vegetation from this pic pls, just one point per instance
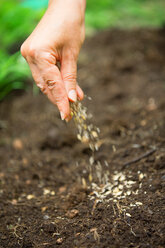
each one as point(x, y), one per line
point(18, 18)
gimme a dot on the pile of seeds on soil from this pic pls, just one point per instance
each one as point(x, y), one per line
point(105, 187)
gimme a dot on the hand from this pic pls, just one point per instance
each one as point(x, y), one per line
point(57, 38)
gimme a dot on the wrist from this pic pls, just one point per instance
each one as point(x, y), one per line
point(81, 3)
point(72, 10)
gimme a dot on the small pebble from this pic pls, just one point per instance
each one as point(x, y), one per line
point(46, 217)
point(17, 144)
point(72, 213)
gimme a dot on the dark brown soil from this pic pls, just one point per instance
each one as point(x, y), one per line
point(124, 72)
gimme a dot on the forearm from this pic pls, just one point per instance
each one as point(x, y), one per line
point(80, 3)
point(57, 38)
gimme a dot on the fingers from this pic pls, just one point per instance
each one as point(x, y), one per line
point(48, 78)
point(57, 91)
point(69, 76)
point(80, 93)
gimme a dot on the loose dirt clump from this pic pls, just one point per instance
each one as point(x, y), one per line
point(49, 196)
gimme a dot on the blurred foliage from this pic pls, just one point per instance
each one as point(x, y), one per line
point(13, 73)
point(16, 23)
point(124, 13)
point(18, 18)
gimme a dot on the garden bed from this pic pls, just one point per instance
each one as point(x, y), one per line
point(42, 200)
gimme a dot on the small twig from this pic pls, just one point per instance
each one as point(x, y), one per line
point(94, 206)
point(114, 210)
point(15, 230)
point(139, 158)
point(130, 228)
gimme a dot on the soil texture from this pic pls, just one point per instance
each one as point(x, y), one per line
point(43, 203)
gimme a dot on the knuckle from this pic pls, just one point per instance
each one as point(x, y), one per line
point(60, 100)
point(23, 50)
point(51, 84)
point(29, 51)
point(32, 52)
point(70, 77)
point(43, 89)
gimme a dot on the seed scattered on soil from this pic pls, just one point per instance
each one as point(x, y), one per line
point(46, 192)
point(127, 214)
point(29, 197)
point(139, 203)
point(59, 241)
point(105, 187)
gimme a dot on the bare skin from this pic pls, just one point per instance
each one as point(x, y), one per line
point(57, 38)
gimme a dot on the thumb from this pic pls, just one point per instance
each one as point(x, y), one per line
point(69, 76)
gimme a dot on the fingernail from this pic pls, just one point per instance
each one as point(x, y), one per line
point(67, 119)
point(72, 95)
point(62, 116)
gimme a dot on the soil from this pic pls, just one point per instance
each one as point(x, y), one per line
point(42, 201)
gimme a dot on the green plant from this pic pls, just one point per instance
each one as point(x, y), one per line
point(124, 13)
point(18, 20)
point(14, 70)
point(16, 24)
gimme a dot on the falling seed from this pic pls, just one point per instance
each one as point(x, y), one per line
point(90, 177)
point(114, 148)
point(91, 160)
point(84, 182)
point(78, 136)
point(95, 135)
point(106, 163)
point(98, 130)
point(96, 147)
point(141, 176)
point(85, 139)
point(139, 203)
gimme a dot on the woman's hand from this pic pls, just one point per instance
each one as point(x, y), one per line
point(57, 38)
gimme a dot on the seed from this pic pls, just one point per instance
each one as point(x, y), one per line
point(139, 203)
point(90, 177)
point(84, 139)
point(127, 214)
point(29, 197)
point(78, 136)
point(95, 135)
point(91, 160)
